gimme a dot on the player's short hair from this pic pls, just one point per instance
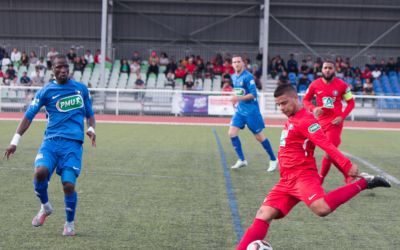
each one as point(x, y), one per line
point(328, 61)
point(59, 56)
point(237, 55)
point(284, 89)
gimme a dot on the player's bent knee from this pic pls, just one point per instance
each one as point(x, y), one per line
point(41, 173)
point(69, 188)
point(320, 208)
point(267, 213)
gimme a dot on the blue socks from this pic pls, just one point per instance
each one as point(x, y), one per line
point(41, 190)
point(70, 202)
point(238, 147)
point(267, 146)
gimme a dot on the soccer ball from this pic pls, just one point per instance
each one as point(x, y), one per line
point(259, 245)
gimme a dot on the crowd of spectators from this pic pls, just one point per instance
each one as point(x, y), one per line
point(190, 69)
point(359, 79)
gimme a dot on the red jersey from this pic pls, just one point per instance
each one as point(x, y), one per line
point(299, 137)
point(329, 96)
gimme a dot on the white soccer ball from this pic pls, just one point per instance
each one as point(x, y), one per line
point(259, 245)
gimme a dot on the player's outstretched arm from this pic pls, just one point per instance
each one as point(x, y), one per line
point(22, 127)
point(91, 132)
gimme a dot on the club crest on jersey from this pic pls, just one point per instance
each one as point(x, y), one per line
point(335, 93)
point(327, 102)
point(313, 128)
point(239, 91)
point(69, 103)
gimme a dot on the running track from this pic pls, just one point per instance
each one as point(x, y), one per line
point(210, 121)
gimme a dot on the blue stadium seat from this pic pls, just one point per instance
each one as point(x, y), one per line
point(310, 77)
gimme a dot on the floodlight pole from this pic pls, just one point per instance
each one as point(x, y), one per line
point(103, 43)
point(265, 43)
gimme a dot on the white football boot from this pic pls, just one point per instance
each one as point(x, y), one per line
point(239, 164)
point(69, 229)
point(272, 166)
point(45, 210)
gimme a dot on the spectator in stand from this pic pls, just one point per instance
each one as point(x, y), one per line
point(376, 73)
point(279, 65)
point(41, 64)
point(391, 65)
point(373, 64)
point(348, 73)
point(357, 86)
point(25, 80)
point(153, 64)
point(33, 59)
point(227, 85)
point(24, 59)
point(135, 67)
point(303, 84)
point(164, 60)
point(209, 71)
point(366, 73)
point(339, 73)
point(71, 55)
point(136, 57)
point(180, 73)
point(50, 57)
point(191, 67)
point(357, 72)
point(199, 72)
point(227, 67)
point(317, 68)
point(10, 75)
point(79, 65)
point(6, 60)
point(96, 57)
point(309, 62)
point(226, 76)
point(292, 65)
point(84, 62)
point(368, 88)
point(171, 67)
point(283, 78)
point(125, 67)
point(37, 79)
point(304, 69)
point(382, 66)
point(89, 57)
point(15, 56)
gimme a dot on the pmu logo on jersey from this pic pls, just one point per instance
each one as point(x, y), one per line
point(327, 102)
point(314, 127)
point(69, 103)
point(239, 91)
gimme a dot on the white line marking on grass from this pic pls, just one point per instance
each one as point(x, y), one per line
point(374, 168)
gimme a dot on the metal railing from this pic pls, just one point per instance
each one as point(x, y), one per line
point(169, 102)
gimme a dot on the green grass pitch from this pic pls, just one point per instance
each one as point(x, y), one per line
point(163, 187)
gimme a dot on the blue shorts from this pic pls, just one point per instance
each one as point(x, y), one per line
point(62, 155)
point(253, 121)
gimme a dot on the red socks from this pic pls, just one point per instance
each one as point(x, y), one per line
point(257, 231)
point(325, 167)
point(337, 197)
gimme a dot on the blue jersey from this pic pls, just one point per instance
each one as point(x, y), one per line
point(244, 84)
point(66, 107)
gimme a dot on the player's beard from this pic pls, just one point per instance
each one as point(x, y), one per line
point(328, 78)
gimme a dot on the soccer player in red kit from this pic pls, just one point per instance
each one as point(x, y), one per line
point(300, 180)
point(329, 92)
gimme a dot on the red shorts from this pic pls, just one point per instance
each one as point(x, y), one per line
point(288, 192)
point(334, 133)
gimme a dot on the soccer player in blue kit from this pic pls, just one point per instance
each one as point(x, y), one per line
point(67, 103)
point(247, 113)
